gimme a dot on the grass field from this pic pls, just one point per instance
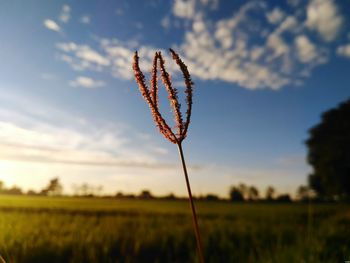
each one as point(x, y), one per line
point(42, 229)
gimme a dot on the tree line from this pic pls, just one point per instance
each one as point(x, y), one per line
point(237, 193)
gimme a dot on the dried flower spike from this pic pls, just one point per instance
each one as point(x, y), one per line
point(151, 97)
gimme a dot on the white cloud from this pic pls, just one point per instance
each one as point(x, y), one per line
point(275, 16)
point(86, 82)
point(323, 16)
point(82, 57)
point(90, 55)
point(305, 49)
point(239, 49)
point(290, 23)
point(234, 60)
point(50, 144)
point(278, 45)
point(52, 25)
point(223, 34)
point(120, 54)
point(184, 8)
point(187, 9)
point(67, 47)
point(256, 53)
point(344, 50)
point(65, 14)
point(85, 19)
point(198, 25)
point(48, 135)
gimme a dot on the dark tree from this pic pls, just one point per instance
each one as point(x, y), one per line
point(14, 190)
point(170, 196)
point(243, 189)
point(31, 192)
point(211, 197)
point(329, 154)
point(284, 198)
point(54, 188)
point(270, 193)
point(236, 194)
point(146, 194)
point(303, 193)
point(253, 193)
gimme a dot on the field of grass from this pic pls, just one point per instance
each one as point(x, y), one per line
point(42, 229)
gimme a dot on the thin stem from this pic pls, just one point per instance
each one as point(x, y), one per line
point(194, 215)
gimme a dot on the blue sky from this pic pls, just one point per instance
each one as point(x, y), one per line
point(264, 71)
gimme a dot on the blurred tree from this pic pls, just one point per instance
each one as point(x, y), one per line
point(253, 193)
point(85, 189)
point(270, 193)
point(329, 153)
point(211, 197)
point(146, 194)
point(119, 195)
point(14, 190)
point(243, 189)
point(54, 188)
point(2, 185)
point(98, 190)
point(304, 193)
point(284, 198)
point(31, 192)
point(170, 196)
point(236, 194)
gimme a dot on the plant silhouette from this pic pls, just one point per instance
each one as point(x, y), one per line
point(151, 97)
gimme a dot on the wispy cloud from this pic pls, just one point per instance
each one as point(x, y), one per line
point(26, 138)
point(344, 50)
point(275, 50)
point(165, 22)
point(85, 19)
point(86, 82)
point(110, 54)
point(82, 57)
point(65, 14)
point(39, 140)
point(52, 25)
point(275, 16)
point(48, 76)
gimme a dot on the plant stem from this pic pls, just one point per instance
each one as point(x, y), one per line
point(194, 215)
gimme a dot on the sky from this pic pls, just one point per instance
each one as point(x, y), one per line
point(264, 71)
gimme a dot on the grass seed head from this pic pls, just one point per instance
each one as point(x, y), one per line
point(151, 95)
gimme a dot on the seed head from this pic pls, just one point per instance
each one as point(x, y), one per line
point(151, 95)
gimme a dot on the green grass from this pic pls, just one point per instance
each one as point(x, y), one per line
point(41, 229)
